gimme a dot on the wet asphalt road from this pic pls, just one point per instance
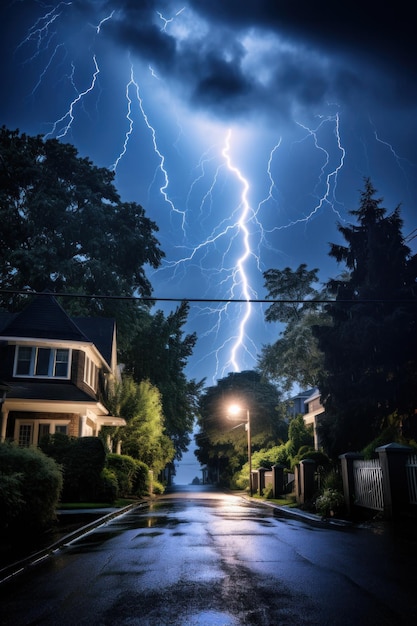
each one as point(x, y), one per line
point(204, 558)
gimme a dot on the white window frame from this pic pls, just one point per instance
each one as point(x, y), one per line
point(90, 372)
point(25, 441)
point(54, 362)
point(32, 427)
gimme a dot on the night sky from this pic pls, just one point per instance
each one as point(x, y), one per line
point(244, 128)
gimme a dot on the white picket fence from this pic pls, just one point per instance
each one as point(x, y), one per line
point(368, 484)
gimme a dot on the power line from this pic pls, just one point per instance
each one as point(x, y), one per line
point(205, 300)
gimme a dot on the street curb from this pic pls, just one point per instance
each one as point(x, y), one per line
point(8, 572)
point(295, 513)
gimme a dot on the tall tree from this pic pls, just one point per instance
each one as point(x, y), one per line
point(223, 441)
point(159, 352)
point(65, 228)
point(295, 357)
point(144, 437)
point(370, 369)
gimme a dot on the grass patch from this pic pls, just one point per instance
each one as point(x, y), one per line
point(284, 502)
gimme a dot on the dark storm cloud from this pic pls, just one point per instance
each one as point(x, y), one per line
point(384, 32)
point(332, 51)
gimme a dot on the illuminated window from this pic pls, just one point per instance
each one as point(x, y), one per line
point(42, 362)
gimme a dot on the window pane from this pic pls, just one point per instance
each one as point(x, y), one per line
point(61, 429)
point(61, 362)
point(42, 362)
point(25, 435)
point(43, 431)
point(24, 357)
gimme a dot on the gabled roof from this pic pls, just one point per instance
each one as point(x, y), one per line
point(43, 318)
point(100, 330)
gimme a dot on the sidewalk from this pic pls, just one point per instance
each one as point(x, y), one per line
point(102, 517)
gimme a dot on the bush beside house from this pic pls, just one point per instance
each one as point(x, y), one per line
point(30, 489)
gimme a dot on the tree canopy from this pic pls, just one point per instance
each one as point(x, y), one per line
point(295, 357)
point(65, 228)
point(144, 437)
point(370, 348)
point(222, 440)
point(159, 352)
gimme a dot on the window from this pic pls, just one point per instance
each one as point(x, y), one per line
point(44, 430)
point(61, 429)
point(61, 363)
point(90, 373)
point(23, 361)
point(42, 362)
point(25, 435)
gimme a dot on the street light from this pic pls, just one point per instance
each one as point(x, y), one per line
point(236, 410)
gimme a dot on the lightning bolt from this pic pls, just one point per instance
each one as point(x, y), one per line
point(39, 31)
point(169, 20)
point(161, 166)
point(69, 115)
point(240, 277)
point(236, 238)
point(400, 161)
point(328, 176)
point(105, 19)
point(329, 195)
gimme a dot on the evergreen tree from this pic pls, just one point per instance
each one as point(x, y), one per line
point(370, 349)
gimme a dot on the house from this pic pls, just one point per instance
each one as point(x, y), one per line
point(296, 405)
point(314, 409)
point(54, 372)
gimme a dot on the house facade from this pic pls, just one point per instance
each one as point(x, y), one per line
point(314, 409)
point(54, 372)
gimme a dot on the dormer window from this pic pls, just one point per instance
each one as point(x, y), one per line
point(42, 362)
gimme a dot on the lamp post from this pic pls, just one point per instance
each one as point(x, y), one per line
point(234, 410)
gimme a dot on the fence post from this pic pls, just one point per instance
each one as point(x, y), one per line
point(261, 474)
point(278, 480)
point(348, 477)
point(307, 469)
point(393, 459)
point(255, 481)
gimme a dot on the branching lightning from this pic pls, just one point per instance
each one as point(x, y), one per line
point(69, 115)
point(240, 277)
point(225, 235)
point(329, 178)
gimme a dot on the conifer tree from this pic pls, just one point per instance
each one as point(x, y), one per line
point(370, 374)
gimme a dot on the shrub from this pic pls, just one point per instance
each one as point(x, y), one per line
point(141, 479)
point(329, 503)
point(268, 493)
point(82, 470)
point(157, 488)
point(109, 485)
point(125, 468)
point(31, 484)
